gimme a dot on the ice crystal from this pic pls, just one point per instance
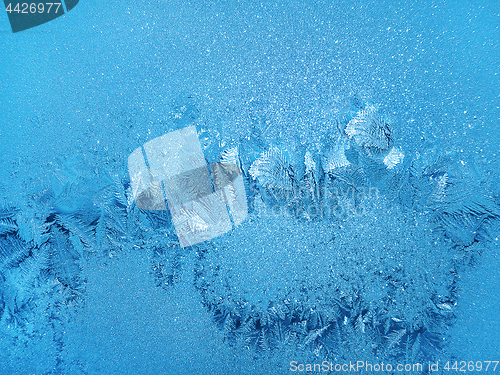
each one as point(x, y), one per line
point(370, 129)
point(272, 170)
point(335, 157)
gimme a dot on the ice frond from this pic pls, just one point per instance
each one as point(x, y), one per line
point(7, 226)
point(461, 228)
point(31, 268)
point(394, 338)
point(64, 259)
point(77, 226)
point(7, 220)
point(13, 251)
point(272, 170)
point(369, 129)
point(309, 162)
point(350, 177)
point(334, 157)
point(230, 156)
point(33, 226)
point(7, 212)
point(110, 229)
point(393, 158)
point(167, 264)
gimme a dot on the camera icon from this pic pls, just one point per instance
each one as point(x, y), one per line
point(204, 200)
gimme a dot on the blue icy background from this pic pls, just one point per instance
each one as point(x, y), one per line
point(78, 94)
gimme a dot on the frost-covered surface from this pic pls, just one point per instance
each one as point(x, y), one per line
point(367, 136)
point(357, 259)
point(345, 260)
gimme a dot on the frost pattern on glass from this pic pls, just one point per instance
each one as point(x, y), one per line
point(362, 255)
point(334, 258)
